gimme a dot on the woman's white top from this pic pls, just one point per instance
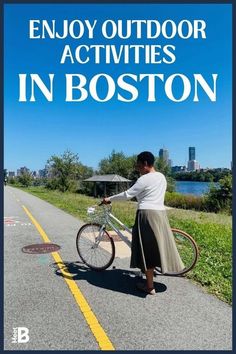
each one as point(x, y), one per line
point(149, 190)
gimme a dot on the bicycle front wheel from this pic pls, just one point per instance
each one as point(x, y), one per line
point(187, 249)
point(95, 246)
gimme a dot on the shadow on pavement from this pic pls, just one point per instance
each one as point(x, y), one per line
point(120, 280)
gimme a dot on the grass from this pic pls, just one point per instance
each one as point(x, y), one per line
point(212, 232)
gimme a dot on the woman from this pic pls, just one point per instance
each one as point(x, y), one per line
point(153, 244)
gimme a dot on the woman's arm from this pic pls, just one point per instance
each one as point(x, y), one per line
point(129, 193)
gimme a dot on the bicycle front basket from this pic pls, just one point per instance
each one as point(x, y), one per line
point(96, 215)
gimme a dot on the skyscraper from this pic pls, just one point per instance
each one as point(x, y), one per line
point(164, 154)
point(193, 165)
point(191, 153)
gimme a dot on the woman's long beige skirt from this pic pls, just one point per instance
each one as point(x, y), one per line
point(153, 244)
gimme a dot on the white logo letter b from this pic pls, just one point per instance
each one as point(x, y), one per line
point(23, 335)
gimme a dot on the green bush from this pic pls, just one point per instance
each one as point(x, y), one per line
point(55, 184)
point(51, 184)
point(220, 198)
point(38, 182)
point(170, 184)
point(86, 188)
point(73, 186)
point(25, 179)
point(12, 181)
point(182, 201)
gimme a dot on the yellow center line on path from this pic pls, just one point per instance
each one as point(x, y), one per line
point(95, 327)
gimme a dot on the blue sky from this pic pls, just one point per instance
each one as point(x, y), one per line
point(33, 131)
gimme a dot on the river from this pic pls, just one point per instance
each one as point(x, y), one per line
point(195, 188)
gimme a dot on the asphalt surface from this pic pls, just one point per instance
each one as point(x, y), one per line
point(181, 316)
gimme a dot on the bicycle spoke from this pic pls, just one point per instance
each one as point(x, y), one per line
point(96, 249)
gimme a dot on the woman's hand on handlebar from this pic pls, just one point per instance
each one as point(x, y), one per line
point(105, 201)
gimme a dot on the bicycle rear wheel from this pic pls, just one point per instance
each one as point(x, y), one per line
point(95, 246)
point(187, 249)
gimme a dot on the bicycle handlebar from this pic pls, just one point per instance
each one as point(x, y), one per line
point(103, 203)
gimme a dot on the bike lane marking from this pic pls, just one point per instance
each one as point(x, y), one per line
point(95, 327)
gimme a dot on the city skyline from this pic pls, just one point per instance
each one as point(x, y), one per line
point(163, 153)
point(34, 131)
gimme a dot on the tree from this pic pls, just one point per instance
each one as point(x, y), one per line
point(63, 170)
point(118, 163)
point(213, 175)
point(85, 172)
point(162, 166)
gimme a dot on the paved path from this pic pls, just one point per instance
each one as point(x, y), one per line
point(181, 316)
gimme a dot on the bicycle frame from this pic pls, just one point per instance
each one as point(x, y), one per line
point(109, 218)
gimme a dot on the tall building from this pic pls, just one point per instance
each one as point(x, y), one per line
point(22, 170)
point(164, 154)
point(11, 174)
point(191, 153)
point(169, 162)
point(193, 165)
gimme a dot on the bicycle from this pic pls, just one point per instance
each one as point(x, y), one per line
point(96, 246)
